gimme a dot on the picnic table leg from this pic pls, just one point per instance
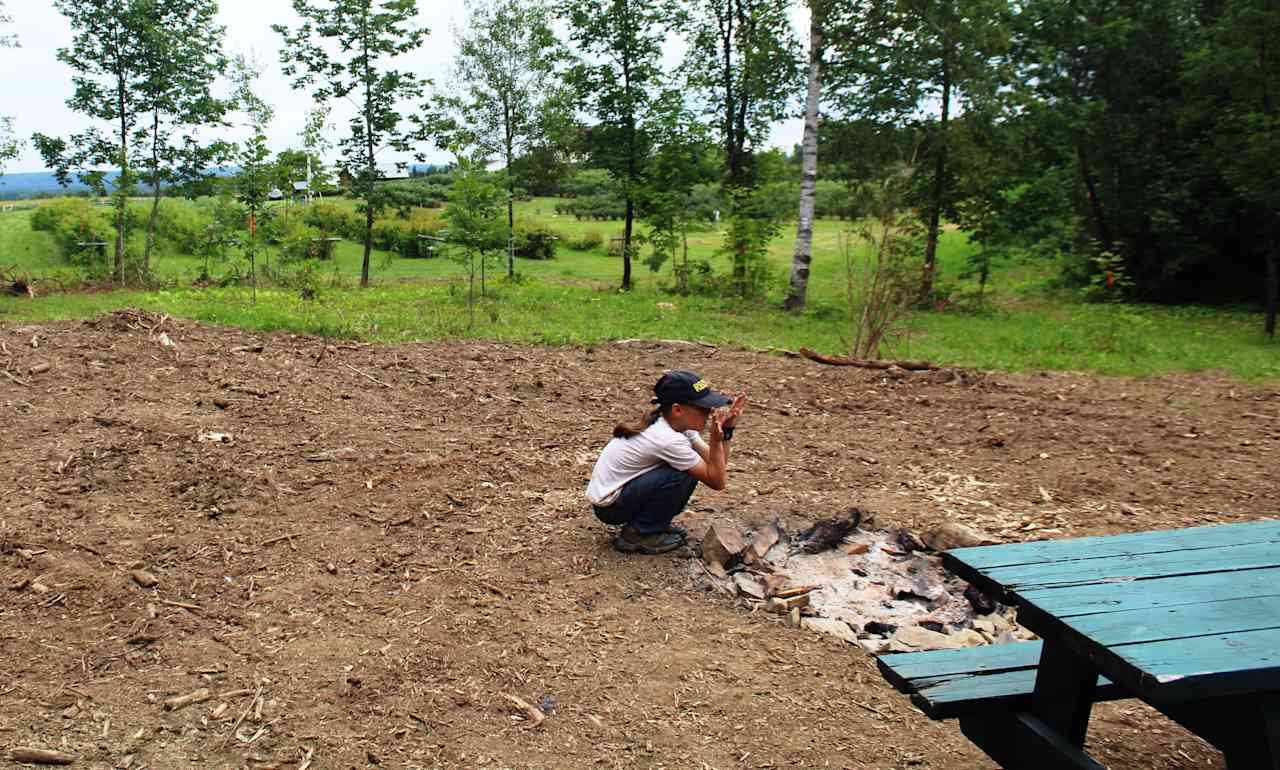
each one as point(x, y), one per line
point(1063, 697)
point(1262, 752)
point(1245, 728)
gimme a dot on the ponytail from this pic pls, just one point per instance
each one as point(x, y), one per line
point(629, 429)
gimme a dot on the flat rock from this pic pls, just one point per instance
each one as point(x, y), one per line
point(953, 534)
point(722, 544)
point(831, 627)
point(913, 638)
point(748, 585)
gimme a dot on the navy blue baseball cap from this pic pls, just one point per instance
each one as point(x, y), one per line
point(684, 387)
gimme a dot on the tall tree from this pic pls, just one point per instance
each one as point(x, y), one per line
point(475, 224)
point(505, 90)
point(744, 60)
point(9, 147)
point(109, 56)
point(315, 144)
point(255, 177)
point(684, 157)
point(1233, 81)
point(618, 81)
point(803, 253)
point(933, 56)
point(293, 166)
point(183, 58)
point(345, 49)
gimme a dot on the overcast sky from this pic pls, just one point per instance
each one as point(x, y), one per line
point(37, 85)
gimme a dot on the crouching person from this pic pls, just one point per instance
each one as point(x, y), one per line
point(646, 474)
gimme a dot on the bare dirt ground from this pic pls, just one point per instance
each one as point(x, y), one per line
point(388, 540)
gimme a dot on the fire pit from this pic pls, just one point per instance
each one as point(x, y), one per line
point(884, 590)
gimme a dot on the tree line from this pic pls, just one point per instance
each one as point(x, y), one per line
point(1136, 142)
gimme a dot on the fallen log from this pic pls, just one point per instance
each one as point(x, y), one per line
point(866, 363)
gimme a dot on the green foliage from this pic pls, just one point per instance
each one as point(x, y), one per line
point(346, 50)
point(508, 99)
point(423, 192)
point(744, 60)
point(882, 283)
point(594, 207)
point(833, 200)
point(587, 241)
point(299, 241)
point(475, 224)
point(753, 223)
point(291, 166)
point(333, 220)
point(589, 181)
point(180, 228)
point(73, 221)
point(226, 219)
point(535, 241)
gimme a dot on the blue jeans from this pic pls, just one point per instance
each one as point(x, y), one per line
point(650, 501)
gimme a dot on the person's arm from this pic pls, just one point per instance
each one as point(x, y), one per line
point(713, 468)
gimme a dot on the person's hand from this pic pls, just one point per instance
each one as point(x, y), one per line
point(735, 410)
point(717, 428)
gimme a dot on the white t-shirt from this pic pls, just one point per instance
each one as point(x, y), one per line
point(624, 459)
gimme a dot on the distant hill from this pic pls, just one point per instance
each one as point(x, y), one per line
point(35, 184)
point(14, 186)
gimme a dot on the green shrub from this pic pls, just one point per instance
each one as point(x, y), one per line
point(535, 241)
point(591, 239)
point(72, 221)
point(591, 181)
point(832, 199)
point(180, 227)
point(423, 192)
point(333, 220)
point(298, 241)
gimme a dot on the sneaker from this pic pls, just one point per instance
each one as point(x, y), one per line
point(631, 541)
point(676, 529)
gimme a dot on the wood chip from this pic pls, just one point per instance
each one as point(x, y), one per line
point(41, 756)
point(177, 702)
point(144, 578)
point(535, 717)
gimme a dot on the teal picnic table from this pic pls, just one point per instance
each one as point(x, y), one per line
point(1186, 620)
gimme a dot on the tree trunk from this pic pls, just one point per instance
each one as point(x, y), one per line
point(371, 168)
point(1273, 287)
point(122, 198)
point(511, 229)
point(803, 255)
point(633, 170)
point(626, 243)
point(155, 193)
point(368, 241)
point(511, 205)
point(939, 184)
point(1100, 229)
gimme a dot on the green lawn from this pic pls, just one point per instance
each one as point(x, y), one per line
point(573, 299)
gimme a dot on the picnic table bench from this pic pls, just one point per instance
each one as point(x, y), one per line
point(1186, 620)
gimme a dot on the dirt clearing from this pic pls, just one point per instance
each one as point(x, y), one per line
point(355, 555)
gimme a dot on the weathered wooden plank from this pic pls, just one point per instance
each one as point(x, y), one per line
point(1153, 593)
point(902, 669)
point(1187, 621)
point(1118, 568)
point(1103, 546)
point(1201, 667)
point(957, 695)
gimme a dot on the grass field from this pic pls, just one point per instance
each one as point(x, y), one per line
point(573, 299)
